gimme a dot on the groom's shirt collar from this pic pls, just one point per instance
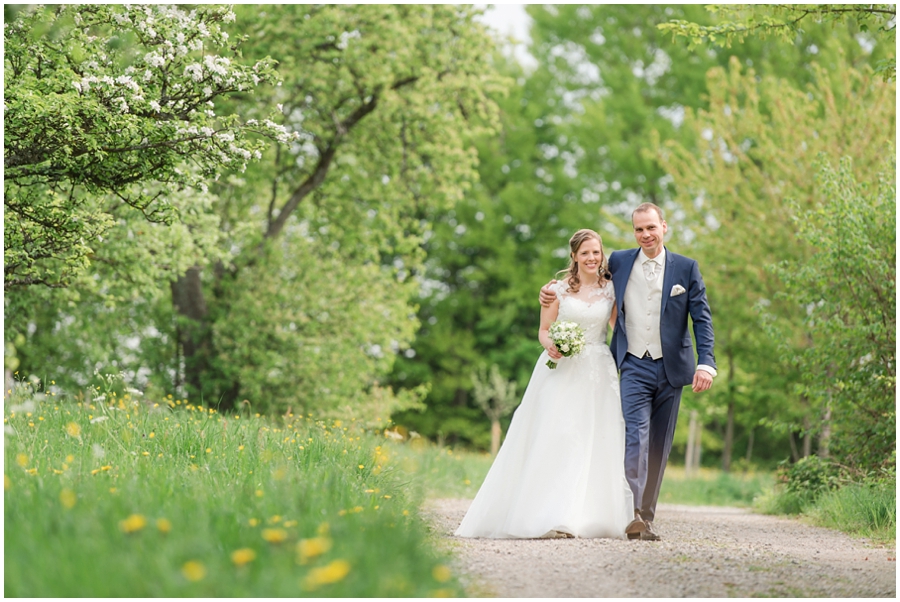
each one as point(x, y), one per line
point(659, 259)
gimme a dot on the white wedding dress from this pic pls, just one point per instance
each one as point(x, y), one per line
point(561, 467)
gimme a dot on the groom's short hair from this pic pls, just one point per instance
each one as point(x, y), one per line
point(649, 207)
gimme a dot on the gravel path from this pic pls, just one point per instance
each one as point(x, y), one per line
point(705, 552)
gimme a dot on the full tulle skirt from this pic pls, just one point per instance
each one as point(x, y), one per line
point(561, 467)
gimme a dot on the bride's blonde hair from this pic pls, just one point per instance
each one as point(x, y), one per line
point(571, 272)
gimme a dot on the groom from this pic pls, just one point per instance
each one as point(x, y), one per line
point(656, 290)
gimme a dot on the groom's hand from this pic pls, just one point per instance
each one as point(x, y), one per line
point(702, 381)
point(547, 295)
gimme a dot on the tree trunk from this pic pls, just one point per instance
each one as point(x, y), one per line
point(728, 444)
point(692, 454)
point(698, 447)
point(750, 446)
point(825, 435)
point(795, 455)
point(807, 437)
point(729, 438)
point(495, 437)
point(193, 333)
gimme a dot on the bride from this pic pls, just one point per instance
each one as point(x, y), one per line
point(561, 471)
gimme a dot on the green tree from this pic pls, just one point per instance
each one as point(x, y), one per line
point(786, 21)
point(496, 397)
point(572, 153)
point(848, 293)
point(313, 302)
point(761, 137)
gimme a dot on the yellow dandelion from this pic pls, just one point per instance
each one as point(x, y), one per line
point(113, 490)
point(151, 435)
point(406, 513)
point(361, 466)
point(163, 525)
point(7, 483)
point(133, 523)
point(73, 430)
point(240, 448)
point(242, 556)
point(259, 493)
point(330, 573)
point(145, 453)
point(275, 519)
point(31, 471)
point(290, 523)
point(193, 570)
point(70, 458)
point(323, 529)
point(67, 498)
point(387, 497)
point(208, 450)
point(442, 593)
point(22, 460)
point(253, 522)
point(441, 573)
point(310, 548)
point(274, 535)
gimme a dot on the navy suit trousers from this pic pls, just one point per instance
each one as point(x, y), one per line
point(650, 407)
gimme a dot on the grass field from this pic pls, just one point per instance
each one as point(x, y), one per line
point(125, 497)
point(713, 487)
point(446, 473)
point(119, 497)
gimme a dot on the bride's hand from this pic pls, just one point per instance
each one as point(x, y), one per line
point(554, 353)
point(548, 296)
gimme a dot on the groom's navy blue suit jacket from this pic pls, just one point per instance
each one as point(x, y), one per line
point(678, 350)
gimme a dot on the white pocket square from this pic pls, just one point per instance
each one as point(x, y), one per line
point(677, 290)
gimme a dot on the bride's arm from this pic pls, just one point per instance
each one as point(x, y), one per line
point(612, 317)
point(548, 317)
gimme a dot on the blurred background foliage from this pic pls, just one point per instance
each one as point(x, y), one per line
point(394, 246)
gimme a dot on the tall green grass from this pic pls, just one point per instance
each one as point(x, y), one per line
point(869, 510)
point(862, 509)
point(118, 497)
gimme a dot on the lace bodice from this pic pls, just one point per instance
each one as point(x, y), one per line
point(589, 307)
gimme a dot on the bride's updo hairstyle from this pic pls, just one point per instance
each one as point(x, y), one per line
point(571, 272)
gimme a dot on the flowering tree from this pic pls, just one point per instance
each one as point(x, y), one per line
point(111, 109)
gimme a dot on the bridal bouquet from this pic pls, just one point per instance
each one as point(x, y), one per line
point(568, 338)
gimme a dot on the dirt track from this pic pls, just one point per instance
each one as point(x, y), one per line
point(705, 552)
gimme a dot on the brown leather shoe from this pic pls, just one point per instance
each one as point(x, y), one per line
point(636, 528)
point(647, 534)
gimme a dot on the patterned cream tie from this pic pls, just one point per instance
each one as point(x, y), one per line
point(650, 270)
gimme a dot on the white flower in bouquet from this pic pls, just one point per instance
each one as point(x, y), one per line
point(568, 338)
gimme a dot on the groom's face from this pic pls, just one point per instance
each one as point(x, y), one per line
point(649, 231)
